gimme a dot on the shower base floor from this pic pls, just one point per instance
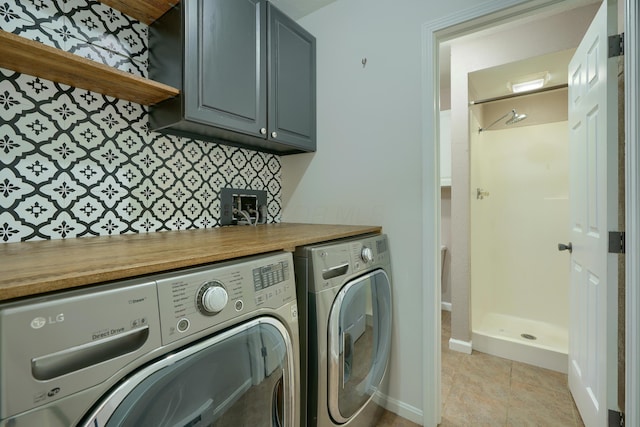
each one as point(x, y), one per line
point(502, 335)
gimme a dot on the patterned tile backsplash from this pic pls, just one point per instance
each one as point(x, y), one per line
point(76, 163)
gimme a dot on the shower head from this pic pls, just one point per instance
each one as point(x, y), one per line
point(515, 118)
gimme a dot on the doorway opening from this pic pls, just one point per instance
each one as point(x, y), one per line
point(490, 243)
point(448, 205)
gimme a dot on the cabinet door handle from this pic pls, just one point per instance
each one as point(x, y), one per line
point(263, 131)
point(274, 134)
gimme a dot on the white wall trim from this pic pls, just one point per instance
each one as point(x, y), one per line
point(460, 346)
point(632, 200)
point(431, 351)
point(433, 33)
point(409, 412)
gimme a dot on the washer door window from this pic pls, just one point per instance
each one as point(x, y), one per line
point(359, 343)
point(243, 377)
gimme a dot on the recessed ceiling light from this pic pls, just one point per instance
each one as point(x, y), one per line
point(527, 86)
point(529, 83)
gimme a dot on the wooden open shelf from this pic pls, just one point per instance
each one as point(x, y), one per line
point(145, 11)
point(36, 59)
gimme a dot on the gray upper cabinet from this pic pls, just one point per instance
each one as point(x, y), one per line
point(246, 72)
point(292, 82)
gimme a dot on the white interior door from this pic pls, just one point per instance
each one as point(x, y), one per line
point(594, 204)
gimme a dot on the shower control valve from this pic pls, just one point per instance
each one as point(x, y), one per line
point(366, 254)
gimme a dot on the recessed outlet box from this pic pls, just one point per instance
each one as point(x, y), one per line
point(241, 206)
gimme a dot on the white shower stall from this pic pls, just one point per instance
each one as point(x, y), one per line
point(519, 214)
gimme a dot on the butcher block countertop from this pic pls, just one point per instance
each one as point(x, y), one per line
point(37, 267)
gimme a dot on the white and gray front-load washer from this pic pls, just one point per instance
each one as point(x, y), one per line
point(344, 298)
point(215, 345)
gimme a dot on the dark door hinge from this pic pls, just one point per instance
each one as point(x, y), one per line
point(616, 419)
point(616, 242)
point(616, 45)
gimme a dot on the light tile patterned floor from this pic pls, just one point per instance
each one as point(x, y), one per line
point(390, 419)
point(484, 390)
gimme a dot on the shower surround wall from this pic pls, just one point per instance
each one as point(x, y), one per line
point(76, 163)
point(519, 280)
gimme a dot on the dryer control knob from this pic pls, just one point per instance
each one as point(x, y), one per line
point(366, 254)
point(213, 298)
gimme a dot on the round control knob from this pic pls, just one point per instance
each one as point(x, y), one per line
point(212, 298)
point(366, 254)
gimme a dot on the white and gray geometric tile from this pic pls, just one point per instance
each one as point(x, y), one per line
point(74, 163)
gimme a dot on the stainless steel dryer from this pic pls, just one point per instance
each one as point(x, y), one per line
point(208, 346)
point(344, 297)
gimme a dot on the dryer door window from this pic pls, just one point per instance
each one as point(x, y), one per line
point(241, 377)
point(359, 343)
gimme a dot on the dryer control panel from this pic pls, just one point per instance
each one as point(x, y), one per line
point(333, 263)
point(211, 297)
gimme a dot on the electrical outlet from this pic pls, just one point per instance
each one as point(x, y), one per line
point(241, 206)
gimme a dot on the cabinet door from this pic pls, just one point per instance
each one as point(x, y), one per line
point(292, 82)
point(225, 64)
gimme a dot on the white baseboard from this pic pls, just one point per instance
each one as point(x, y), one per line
point(446, 306)
point(406, 411)
point(461, 346)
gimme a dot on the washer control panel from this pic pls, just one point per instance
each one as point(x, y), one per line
point(200, 298)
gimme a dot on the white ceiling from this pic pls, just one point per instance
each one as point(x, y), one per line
point(296, 9)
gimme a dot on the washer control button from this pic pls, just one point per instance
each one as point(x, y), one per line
point(212, 298)
point(366, 254)
point(239, 305)
point(183, 325)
